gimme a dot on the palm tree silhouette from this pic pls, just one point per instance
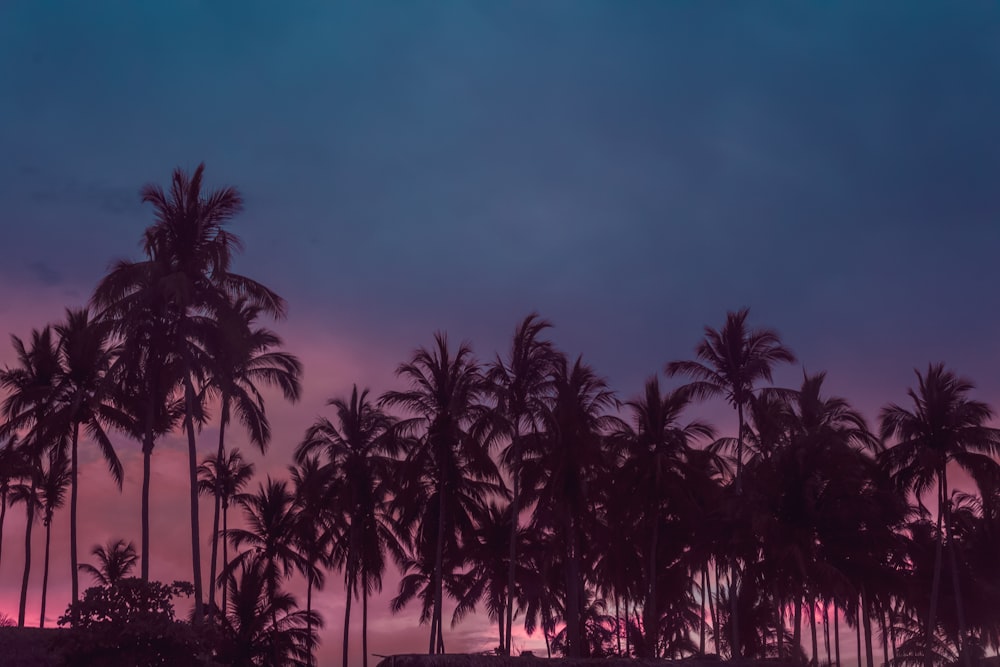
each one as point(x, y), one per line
point(243, 358)
point(312, 534)
point(360, 470)
point(189, 255)
point(11, 465)
point(944, 426)
point(560, 466)
point(225, 478)
point(84, 398)
point(655, 449)
point(55, 479)
point(731, 361)
point(449, 469)
point(115, 561)
point(519, 385)
point(26, 492)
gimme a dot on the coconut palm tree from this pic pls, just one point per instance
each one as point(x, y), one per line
point(654, 447)
point(359, 466)
point(731, 362)
point(115, 561)
point(243, 359)
point(519, 385)
point(26, 492)
point(450, 471)
point(561, 464)
point(185, 280)
point(225, 478)
point(10, 470)
point(312, 535)
point(84, 398)
point(55, 479)
point(944, 426)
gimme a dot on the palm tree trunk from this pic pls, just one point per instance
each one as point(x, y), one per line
point(826, 632)
point(147, 454)
point(347, 613)
point(857, 629)
point(45, 569)
point(572, 588)
point(364, 625)
point(713, 609)
point(74, 569)
point(704, 595)
point(649, 608)
point(27, 558)
point(3, 514)
point(812, 629)
point(618, 622)
point(797, 630)
point(309, 606)
point(963, 644)
point(225, 552)
point(438, 570)
point(836, 632)
point(935, 582)
point(867, 620)
point(515, 510)
point(223, 419)
point(780, 627)
point(193, 479)
point(885, 639)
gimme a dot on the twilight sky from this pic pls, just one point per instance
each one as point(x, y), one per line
point(630, 170)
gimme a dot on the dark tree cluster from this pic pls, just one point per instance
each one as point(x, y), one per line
point(521, 485)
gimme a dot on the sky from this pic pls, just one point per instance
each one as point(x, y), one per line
point(629, 170)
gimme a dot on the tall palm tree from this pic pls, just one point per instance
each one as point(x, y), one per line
point(269, 538)
point(312, 535)
point(519, 385)
point(451, 470)
point(26, 492)
point(561, 464)
point(225, 478)
point(655, 451)
point(54, 481)
point(244, 358)
point(359, 466)
point(189, 256)
point(84, 396)
point(731, 362)
point(115, 561)
point(944, 426)
point(10, 470)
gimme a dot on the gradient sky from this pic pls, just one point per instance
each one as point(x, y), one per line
point(630, 170)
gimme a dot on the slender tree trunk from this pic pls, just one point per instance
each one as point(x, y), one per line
point(501, 635)
point(649, 608)
point(704, 595)
point(618, 622)
point(3, 514)
point(826, 632)
point(364, 624)
point(885, 638)
point(223, 420)
point(225, 552)
point(935, 583)
point(45, 568)
point(963, 639)
point(347, 615)
point(812, 629)
point(438, 569)
point(836, 633)
point(515, 510)
point(867, 620)
point(780, 626)
point(572, 588)
point(713, 609)
point(74, 476)
point(27, 557)
point(892, 632)
point(548, 647)
point(857, 629)
point(797, 630)
point(193, 479)
point(147, 453)
point(309, 606)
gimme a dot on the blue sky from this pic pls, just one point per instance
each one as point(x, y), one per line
point(630, 170)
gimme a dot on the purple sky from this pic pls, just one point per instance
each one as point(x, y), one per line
point(630, 170)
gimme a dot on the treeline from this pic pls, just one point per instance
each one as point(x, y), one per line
point(521, 485)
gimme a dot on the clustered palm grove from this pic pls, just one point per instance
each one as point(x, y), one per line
point(521, 485)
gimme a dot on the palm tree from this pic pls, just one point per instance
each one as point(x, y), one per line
point(52, 495)
point(225, 478)
point(356, 450)
point(730, 363)
point(311, 535)
point(83, 397)
point(26, 491)
point(115, 561)
point(450, 470)
point(655, 452)
point(269, 538)
point(561, 463)
point(519, 385)
point(10, 470)
point(243, 359)
point(185, 280)
point(944, 426)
